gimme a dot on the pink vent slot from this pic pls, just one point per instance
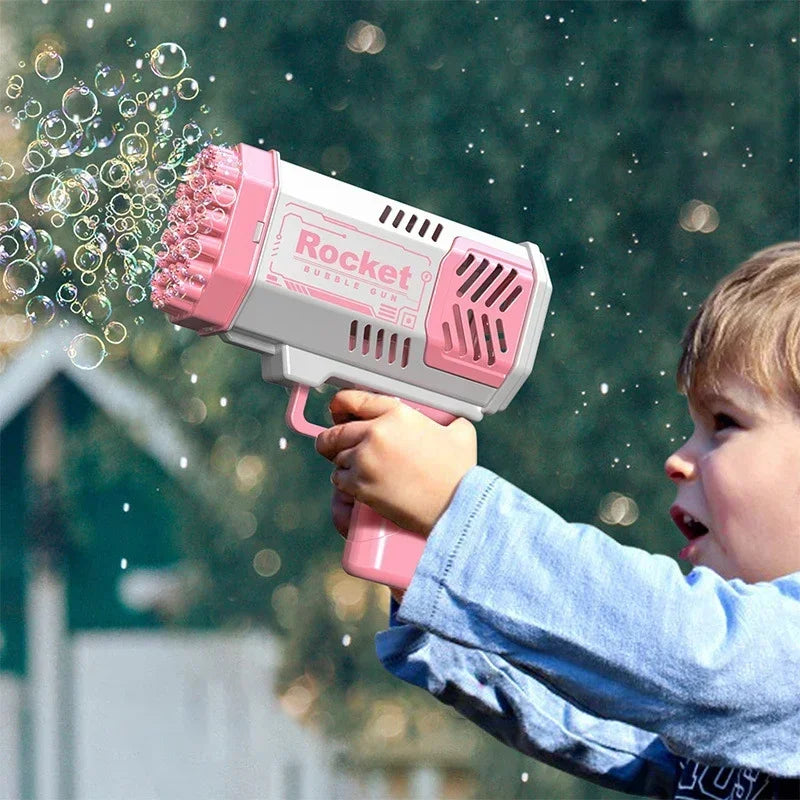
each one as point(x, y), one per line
point(479, 305)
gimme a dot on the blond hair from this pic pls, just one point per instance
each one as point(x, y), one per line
point(749, 325)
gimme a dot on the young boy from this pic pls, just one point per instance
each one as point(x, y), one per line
point(602, 660)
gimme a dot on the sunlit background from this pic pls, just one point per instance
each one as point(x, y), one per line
point(174, 619)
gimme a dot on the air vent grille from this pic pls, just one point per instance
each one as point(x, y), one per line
point(501, 285)
point(379, 345)
point(396, 221)
point(475, 323)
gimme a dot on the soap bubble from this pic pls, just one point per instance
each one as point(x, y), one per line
point(86, 351)
point(79, 103)
point(133, 147)
point(114, 172)
point(187, 88)
point(96, 309)
point(74, 192)
point(62, 132)
point(41, 190)
point(128, 107)
point(168, 60)
point(102, 131)
point(40, 154)
point(108, 80)
point(88, 257)
point(161, 103)
point(192, 132)
point(33, 107)
point(53, 260)
point(18, 242)
point(40, 310)
point(21, 277)
point(48, 65)
point(135, 294)
point(44, 245)
point(67, 294)
point(84, 228)
point(115, 332)
point(7, 170)
point(9, 217)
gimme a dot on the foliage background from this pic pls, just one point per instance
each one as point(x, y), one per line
point(583, 126)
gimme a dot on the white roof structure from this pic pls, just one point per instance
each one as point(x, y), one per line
point(115, 389)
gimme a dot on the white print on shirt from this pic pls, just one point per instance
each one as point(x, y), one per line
point(698, 782)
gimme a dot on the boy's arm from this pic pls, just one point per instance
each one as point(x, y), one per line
point(709, 666)
point(522, 712)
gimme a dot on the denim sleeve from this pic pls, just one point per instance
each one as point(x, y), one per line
point(523, 713)
point(709, 666)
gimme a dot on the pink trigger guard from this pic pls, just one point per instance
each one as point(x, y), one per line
point(295, 416)
point(376, 549)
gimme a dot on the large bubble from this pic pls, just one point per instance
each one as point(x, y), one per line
point(21, 277)
point(86, 351)
point(40, 310)
point(108, 80)
point(79, 103)
point(9, 217)
point(168, 60)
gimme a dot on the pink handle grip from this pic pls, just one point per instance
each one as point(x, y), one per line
point(376, 549)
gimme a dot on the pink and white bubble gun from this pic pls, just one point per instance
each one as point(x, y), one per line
point(334, 284)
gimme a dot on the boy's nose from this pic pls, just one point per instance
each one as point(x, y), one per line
point(679, 467)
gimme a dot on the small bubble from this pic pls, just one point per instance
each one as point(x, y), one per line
point(123, 563)
point(184, 462)
point(115, 332)
point(126, 507)
point(48, 65)
point(346, 639)
point(130, 41)
point(223, 401)
point(223, 21)
point(187, 88)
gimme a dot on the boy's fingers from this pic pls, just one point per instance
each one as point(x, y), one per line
point(363, 405)
point(332, 441)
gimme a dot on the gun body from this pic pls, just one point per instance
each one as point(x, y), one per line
point(332, 283)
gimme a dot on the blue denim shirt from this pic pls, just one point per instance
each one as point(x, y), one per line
point(602, 660)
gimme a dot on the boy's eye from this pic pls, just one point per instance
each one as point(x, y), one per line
point(723, 421)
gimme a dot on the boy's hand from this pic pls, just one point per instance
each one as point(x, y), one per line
point(396, 460)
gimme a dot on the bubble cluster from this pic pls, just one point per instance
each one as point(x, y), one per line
point(92, 168)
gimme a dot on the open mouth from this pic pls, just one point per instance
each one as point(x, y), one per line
point(690, 527)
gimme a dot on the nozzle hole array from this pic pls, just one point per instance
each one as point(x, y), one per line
point(412, 221)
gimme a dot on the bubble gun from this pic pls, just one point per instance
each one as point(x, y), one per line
point(334, 284)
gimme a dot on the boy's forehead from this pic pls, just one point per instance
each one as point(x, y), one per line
point(731, 389)
point(727, 387)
